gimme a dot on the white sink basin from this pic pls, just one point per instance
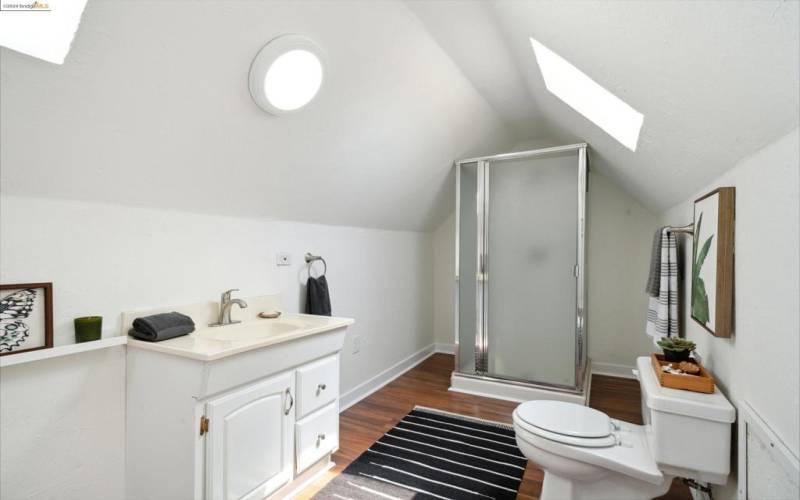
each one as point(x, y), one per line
point(260, 329)
point(212, 343)
point(246, 331)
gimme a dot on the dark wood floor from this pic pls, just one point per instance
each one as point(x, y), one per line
point(426, 385)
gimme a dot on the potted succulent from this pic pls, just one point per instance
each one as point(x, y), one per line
point(676, 348)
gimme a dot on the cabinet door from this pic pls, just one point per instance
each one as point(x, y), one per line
point(250, 436)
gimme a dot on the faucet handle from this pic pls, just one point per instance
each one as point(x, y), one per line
point(226, 295)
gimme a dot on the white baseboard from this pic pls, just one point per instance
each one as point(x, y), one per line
point(367, 387)
point(444, 348)
point(612, 370)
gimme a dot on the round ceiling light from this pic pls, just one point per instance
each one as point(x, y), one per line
point(286, 74)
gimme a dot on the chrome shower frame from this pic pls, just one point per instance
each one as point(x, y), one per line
point(481, 297)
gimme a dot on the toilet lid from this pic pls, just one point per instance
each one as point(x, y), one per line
point(568, 419)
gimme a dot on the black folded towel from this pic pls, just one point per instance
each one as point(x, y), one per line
point(162, 326)
point(318, 300)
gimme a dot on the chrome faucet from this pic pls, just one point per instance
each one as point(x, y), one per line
point(225, 304)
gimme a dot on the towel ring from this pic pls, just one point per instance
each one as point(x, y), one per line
point(310, 261)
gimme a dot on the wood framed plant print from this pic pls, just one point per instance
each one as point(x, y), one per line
point(26, 317)
point(712, 261)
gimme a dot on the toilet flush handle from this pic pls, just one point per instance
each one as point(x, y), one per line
point(624, 444)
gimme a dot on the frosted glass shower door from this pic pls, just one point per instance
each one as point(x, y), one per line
point(467, 257)
point(531, 257)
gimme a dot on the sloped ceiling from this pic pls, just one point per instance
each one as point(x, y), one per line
point(716, 81)
point(151, 108)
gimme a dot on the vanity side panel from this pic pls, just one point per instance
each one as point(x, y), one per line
point(162, 425)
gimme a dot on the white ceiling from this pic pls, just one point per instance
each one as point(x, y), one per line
point(716, 81)
point(151, 106)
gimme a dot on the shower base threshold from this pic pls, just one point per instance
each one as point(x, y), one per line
point(514, 391)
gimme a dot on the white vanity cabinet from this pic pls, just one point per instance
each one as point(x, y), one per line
point(255, 424)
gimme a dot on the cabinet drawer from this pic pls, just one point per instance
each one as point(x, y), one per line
point(315, 436)
point(317, 385)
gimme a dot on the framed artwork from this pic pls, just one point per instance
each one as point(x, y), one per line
point(26, 317)
point(712, 261)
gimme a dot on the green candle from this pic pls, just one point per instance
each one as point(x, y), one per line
point(88, 328)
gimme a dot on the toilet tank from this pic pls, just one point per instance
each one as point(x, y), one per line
point(689, 432)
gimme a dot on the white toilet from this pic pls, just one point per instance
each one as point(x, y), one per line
point(587, 455)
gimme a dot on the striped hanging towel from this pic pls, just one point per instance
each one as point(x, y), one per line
point(662, 309)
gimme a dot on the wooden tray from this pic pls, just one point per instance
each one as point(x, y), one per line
point(702, 382)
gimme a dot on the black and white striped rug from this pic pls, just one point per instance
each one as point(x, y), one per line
point(432, 454)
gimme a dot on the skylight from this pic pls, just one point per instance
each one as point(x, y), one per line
point(588, 98)
point(40, 29)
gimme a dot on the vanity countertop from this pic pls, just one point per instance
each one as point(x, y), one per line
point(212, 343)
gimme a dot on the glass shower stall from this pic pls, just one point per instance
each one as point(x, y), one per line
point(520, 305)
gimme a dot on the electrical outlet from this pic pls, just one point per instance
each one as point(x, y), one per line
point(283, 259)
point(356, 343)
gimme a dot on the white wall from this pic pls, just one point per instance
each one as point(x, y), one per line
point(443, 281)
point(618, 243)
point(62, 428)
point(759, 363)
point(444, 263)
point(103, 259)
point(380, 278)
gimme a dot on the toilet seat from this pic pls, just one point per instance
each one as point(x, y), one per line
point(566, 423)
point(628, 453)
point(631, 457)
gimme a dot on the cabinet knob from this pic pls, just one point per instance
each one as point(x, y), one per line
point(320, 437)
point(322, 387)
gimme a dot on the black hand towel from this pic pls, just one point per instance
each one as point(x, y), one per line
point(318, 300)
point(162, 326)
